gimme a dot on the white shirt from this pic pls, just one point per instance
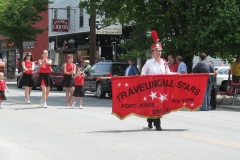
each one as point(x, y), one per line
point(153, 67)
point(127, 71)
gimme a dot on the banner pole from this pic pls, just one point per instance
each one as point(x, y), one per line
point(210, 74)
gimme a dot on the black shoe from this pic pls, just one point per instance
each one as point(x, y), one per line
point(158, 128)
point(212, 108)
point(150, 125)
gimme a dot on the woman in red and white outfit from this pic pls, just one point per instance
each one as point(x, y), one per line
point(27, 78)
point(69, 70)
point(44, 79)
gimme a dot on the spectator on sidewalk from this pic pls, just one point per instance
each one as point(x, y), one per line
point(18, 65)
point(182, 68)
point(87, 66)
point(173, 66)
point(235, 70)
point(131, 70)
point(205, 66)
point(2, 66)
point(213, 101)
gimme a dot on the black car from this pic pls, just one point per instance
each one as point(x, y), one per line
point(94, 82)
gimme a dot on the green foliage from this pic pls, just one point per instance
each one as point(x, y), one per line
point(18, 18)
point(185, 27)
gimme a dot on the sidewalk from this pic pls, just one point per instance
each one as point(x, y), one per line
point(221, 106)
point(235, 107)
point(11, 81)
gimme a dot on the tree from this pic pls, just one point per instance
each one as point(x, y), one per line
point(18, 18)
point(185, 27)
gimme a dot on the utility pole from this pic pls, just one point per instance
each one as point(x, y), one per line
point(92, 35)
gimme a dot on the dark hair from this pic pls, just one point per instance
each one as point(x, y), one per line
point(24, 59)
point(203, 56)
point(173, 57)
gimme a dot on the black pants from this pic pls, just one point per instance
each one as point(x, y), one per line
point(235, 79)
point(213, 102)
point(156, 122)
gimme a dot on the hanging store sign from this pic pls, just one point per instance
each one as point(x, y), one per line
point(113, 29)
point(60, 25)
point(28, 45)
point(6, 44)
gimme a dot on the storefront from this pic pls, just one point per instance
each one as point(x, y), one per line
point(59, 57)
point(9, 55)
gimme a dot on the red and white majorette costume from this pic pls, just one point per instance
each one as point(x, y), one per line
point(68, 78)
point(2, 90)
point(79, 90)
point(44, 78)
point(27, 78)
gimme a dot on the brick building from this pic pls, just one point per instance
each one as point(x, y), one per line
point(9, 52)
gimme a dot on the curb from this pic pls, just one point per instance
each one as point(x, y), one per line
point(234, 108)
point(11, 83)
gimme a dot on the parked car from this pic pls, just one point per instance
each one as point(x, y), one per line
point(56, 75)
point(222, 73)
point(94, 83)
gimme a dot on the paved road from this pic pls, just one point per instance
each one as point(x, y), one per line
point(28, 132)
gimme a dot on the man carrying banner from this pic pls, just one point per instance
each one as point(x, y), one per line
point(205, 66)
point(156, 65)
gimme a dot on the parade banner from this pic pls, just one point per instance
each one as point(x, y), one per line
point(156, 95)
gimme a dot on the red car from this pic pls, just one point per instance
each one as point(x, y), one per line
point(56, 75)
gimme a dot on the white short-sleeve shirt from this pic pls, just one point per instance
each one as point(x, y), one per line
point(153, 67)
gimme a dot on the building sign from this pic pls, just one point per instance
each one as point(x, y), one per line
point(113, 29)
point(28, 45)
point(6, 44)
point(60, 25)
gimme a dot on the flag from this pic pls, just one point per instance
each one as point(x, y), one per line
point(156, 95)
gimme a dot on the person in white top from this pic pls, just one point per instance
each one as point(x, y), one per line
point(156, 65)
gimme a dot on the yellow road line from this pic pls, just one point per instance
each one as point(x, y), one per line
point(221, 142)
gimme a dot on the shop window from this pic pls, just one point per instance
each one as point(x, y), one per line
point(55, 13)
point(81, 17)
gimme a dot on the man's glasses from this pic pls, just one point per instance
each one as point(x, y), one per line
point(29, 55)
